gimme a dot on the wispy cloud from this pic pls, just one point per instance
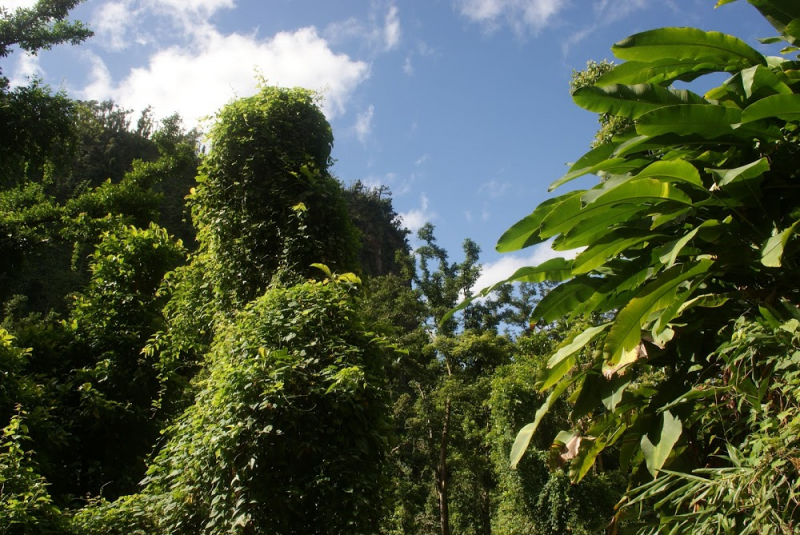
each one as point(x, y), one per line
point(381, 34)
point(605, 12)
point(414, 219)
point(522, 16)
point(27, 67)
point(494, 188)
point(363, 126)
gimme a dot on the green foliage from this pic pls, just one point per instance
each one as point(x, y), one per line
point(381, 231)
point(26, 507)
point(41, 26)
point(270, 153)
point(291, 407)
point(536, 496)
point(690, 228)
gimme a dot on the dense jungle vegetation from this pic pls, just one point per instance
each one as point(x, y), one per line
point(223, 337)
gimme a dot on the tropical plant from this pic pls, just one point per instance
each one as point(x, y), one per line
point(690, 229)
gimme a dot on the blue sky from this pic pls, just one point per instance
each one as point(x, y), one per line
point(461, 107)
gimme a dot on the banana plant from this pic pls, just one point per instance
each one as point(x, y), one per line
point(690, 226)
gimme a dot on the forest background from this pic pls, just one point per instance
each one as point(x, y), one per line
point(285, 364)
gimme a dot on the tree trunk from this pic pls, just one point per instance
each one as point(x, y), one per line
point(441, 474)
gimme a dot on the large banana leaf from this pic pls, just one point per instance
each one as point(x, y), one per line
point(636, 192)
point(660, 72)
point(565, 299)
point(785, 107)
point(688, 44)
point(632, 101)
point(625, 333)
point(525, 232)
point(707, 121)
point(607, 247)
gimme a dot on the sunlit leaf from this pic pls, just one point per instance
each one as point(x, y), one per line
point(625, 333)
point(632, 101)
point(772, 252)
point(785, 107)
point(707, 121)
point(657, 450)
point(687, 44)
point(525, 232)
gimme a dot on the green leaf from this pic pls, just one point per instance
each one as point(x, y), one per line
point(779, 13)
point(687, 44)
point(785, 107)
point(625, 333)
point(725, 177)
point(526, 433)
point(525, 232)
point(772, 252)
point(708, 121)
point(721, 3)
point(657, 450)
point(673, 171)
point(564, 299)
point(564, 358)
point(658, 72)
point(637, 192)
point(607, 247)
point(750, 81)
point(587, 231)
point(632, 101)
point(577, 173)
point(669, 253)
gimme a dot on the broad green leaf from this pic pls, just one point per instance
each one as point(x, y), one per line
point(792, 30)
point(564, 299)
point(669, 252)
point(772, 252)
point(673, 171)
point(587, 453)
point(725, 177)
point(526, 433)
point(525, 232)
point(687, 44)
point(785, 107)
point(625, 333)
point(572, 175)
point(657, 450)
point(632, 101)
point(585, 232)
point(707, 121)
point(325, 269)
point(607, 247)
point(637, 192)
point(613, 391)
point(564, 358)
point(723, 2)
point(779, 13)
point(750, 81)
point(660, 72)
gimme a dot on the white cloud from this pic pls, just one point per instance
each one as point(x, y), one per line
point(13, 5)
point(112, 23)
point(27, 67)
point(605, 12)
point(363, 124)
point(414, 219)
point(197, 80)
point(503, 268)
point(391, 29)
point(408, 67)
point(380, 35)
point(494, 188)
point(520, 15)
